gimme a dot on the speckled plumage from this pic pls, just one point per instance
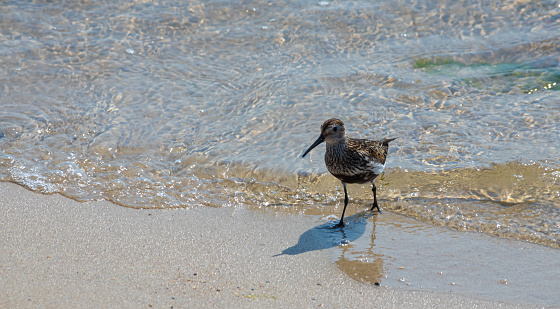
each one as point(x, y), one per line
point(352, 160)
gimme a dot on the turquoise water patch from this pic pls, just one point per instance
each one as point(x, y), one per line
point(501, 77)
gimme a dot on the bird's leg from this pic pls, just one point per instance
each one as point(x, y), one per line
point(374, 190)
point(341, 223)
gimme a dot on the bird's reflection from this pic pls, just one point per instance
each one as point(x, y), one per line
point(356, 258)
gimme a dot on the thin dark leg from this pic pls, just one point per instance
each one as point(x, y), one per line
point(375, 205)
point(341, 223)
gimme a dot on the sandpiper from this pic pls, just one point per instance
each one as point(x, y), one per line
point(352, 160)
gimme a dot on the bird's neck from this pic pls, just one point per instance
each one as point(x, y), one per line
point(336, 142)
point(336, 146)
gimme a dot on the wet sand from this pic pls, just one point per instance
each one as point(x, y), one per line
point(59, 253)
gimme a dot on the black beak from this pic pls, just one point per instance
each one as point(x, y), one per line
point(317, 142)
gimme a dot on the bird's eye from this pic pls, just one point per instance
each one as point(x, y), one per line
point(335, 129)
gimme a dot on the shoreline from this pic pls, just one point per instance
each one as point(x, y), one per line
point(60, 253)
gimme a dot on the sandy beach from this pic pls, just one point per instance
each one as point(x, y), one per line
point(59, 253)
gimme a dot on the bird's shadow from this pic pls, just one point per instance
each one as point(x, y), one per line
point(327, 235)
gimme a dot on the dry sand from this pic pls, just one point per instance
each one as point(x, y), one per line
point(59, 253)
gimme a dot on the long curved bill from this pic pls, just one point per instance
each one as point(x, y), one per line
point(317, 142)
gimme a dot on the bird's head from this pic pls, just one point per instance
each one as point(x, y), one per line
point(332, 131)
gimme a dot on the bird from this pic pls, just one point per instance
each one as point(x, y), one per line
point(352, 160)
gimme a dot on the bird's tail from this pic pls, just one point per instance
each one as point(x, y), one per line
point(386, 141)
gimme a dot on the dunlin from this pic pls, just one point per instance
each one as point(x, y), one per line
point(351, 160)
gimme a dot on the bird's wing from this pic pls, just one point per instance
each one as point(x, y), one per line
point(377, 151)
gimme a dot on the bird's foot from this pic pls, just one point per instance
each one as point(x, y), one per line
point(375, 206)
point(340, 224)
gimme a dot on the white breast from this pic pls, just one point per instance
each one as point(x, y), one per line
point(375, 167)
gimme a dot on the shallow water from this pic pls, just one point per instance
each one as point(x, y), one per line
point(395, 251)
point(371, 250)
point(185, 103)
